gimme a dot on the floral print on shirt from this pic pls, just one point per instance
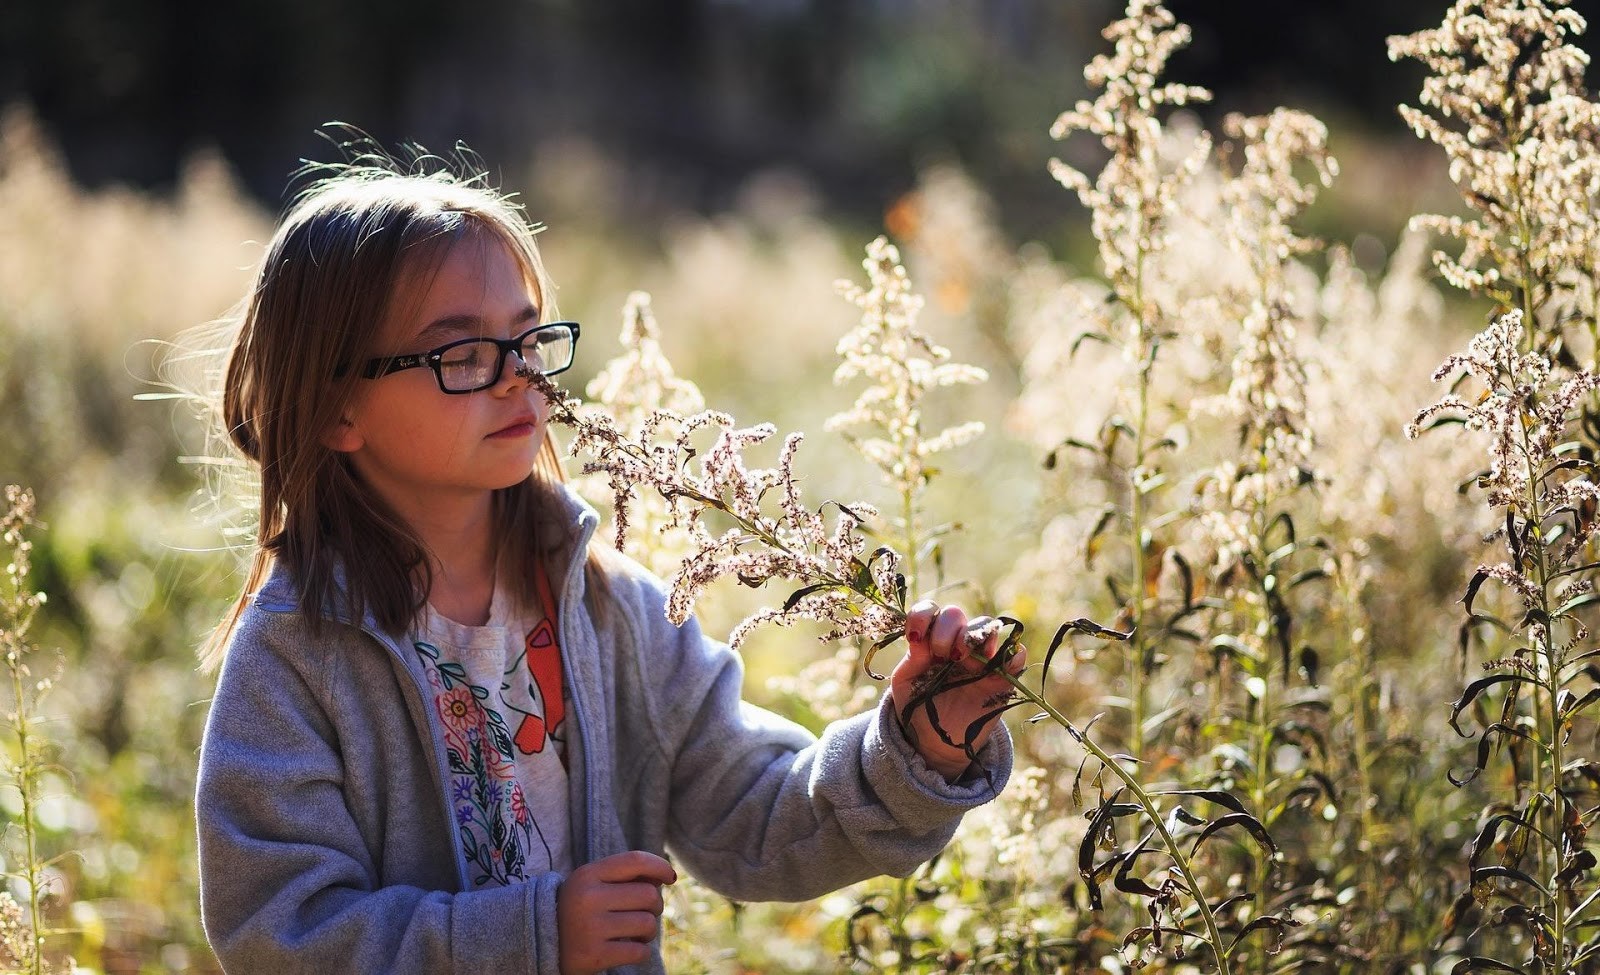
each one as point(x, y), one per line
point(497, 831)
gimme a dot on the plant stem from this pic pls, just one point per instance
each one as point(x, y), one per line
point(1152, 813)
point(1263, 730)
point(25, 774)
point(908, 506)
point(1138, 688)
point(1548, 708)
point(1369, 877)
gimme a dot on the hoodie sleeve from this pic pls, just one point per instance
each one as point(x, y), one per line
point(288, 881)
point(762, 810)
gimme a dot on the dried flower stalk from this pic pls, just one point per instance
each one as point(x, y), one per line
point(865, 597)
point(856, 596)
point(902, 365)
point(1132, 204)
point(22, 929)
point(1505, 101)
point(631, 389)
point(1246, 500)
point(1547, 492)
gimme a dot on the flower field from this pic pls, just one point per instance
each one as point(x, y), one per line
point(1298, 527)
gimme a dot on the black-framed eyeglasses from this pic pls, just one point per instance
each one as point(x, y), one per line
point(468, 365)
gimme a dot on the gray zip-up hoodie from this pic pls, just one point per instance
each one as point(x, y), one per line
point(328, 844)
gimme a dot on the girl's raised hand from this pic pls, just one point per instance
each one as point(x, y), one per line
point(609, 911)
point(934, 636)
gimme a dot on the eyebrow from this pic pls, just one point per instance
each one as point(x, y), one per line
point(454, 326)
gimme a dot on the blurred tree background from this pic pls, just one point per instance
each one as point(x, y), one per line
point(689, 96)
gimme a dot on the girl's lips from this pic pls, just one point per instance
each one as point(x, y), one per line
point(521, 428)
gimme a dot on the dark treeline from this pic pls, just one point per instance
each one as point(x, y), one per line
point(697, 93)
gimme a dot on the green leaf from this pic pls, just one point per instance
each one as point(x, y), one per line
point(1215, 796)
point(1575, 704)
point(1308, 575)
point(1286, 521)
point(872, 651)
point(1090, 336)
point(1580, 863)
point(1099, 823)
point(1091, 628)
point(1091, 546)
point(801, 593)
point(1227, 644)
point(1187, 575)
point(1478, 687)
point(1585, 567)
point(1125, 881)
point(1054, 456)
point(1489, 835)
point(1055, 644)
point(1485, 745)
point(1276, 922)
point(1246, 821)
point(1478, 579)
point(1507, 873)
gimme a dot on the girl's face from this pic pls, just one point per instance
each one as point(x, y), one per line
point(423, 449)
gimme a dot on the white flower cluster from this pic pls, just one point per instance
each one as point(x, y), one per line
point(1525, 412)
point(19, 603)
point(18, 945)
point(641, 380)
point(632, 389)
point(1135, 193)
point(1523, 138)
point(858, 597)
point(1267, 394)
point(902, 365)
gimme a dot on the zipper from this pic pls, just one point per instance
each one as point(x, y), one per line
point(564, 625)
point(440, 771)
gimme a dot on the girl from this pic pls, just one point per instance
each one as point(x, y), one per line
point(451, 733)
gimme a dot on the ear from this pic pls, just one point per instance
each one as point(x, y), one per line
point(343, 437)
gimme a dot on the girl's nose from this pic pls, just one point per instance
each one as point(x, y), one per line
point(521, 369)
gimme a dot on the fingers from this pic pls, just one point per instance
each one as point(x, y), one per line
point(610, 910)
point(637, 897)
point(936, 634)
point(633, 865)
point(947, 635)
point(983, 636)
point(640, 926)
point(616, 954)
point(919, 623)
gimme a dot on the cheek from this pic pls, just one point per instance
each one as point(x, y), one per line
point(423, 422)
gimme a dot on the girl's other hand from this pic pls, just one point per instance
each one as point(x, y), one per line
point(934, 636)
point(609, 911)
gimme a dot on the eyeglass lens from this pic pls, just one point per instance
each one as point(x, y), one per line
point(474, 365)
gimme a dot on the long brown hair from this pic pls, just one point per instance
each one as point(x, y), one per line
point(336, 264)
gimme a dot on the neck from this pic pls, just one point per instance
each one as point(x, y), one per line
point(462, 550)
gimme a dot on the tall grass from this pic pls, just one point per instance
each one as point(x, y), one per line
point(24, 934)
point(1505, 100)
point(1345, 733)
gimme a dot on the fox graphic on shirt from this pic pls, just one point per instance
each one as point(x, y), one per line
point(533, 690)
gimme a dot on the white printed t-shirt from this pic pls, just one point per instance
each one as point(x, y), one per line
point(501, 698)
